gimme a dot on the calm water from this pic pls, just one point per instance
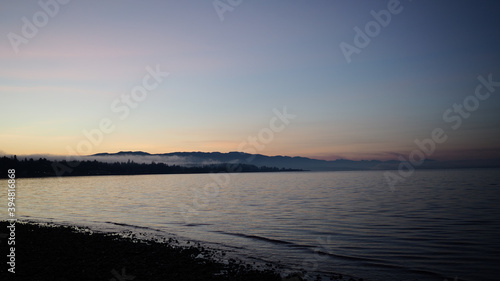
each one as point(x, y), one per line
point(436, 225)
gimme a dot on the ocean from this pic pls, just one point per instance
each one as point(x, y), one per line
point(436, 225)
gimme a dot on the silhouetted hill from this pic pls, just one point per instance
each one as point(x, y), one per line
point(284, 162)
point(134, 153)
point(277, 161)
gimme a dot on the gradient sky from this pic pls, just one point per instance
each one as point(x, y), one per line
point(227, 76)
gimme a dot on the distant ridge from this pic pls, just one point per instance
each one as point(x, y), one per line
point(141, 153)
point(286, 162)
point(283, 162)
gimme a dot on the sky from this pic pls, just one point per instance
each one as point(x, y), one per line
point(323, 79)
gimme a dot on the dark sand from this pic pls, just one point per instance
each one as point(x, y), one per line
point(54, 252)
point(61, 253)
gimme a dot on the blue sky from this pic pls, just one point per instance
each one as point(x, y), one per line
point(227, 74)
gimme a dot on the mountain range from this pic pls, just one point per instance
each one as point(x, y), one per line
point(286, 162)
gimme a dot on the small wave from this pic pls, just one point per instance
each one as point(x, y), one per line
point(197, 224)
point(256, 237)
point(312, 249)
point(131, 225)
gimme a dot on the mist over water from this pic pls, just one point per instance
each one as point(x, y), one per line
point(437, 224)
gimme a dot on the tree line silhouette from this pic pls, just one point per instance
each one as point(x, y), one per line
point(43, 167)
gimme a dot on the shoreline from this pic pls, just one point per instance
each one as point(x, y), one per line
point(48, 168)
point(46, 251)
point(153, 174)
